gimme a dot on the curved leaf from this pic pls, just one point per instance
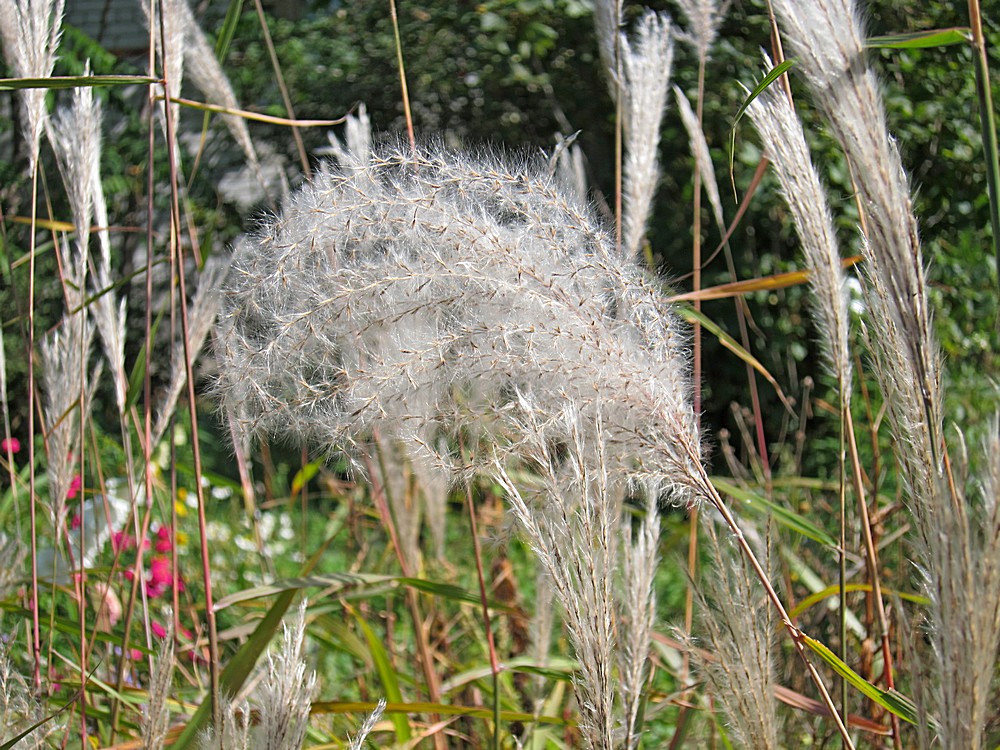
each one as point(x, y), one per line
point(890, 700)
point(921, 39)
point(831, 591)
point(787, 518)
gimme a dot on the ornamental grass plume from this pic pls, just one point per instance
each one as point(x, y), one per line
point(646, 63)
point(958, 539)
point(30, 31)
point(427, 295)
point(282, 700)
point(156, 717)
point(827, 38)
point(780, 129)
point(75, 134)
point(738, 662)
point(20, 710)
point(421, 293)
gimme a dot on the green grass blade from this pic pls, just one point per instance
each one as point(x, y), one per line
point(475, 712)
point(340, 582)
point(304, 475)
point(387, 675)
point(696, 316)
point(331, 582)
point(892, 701)
point(772, 75)
point(787, 518)
point(228, 29)
point(831, 591)
point(988, 128)
point(921, 39)
point(69, 626)
point(72, 82)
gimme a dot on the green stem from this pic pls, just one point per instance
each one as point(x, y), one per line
point(987, 122)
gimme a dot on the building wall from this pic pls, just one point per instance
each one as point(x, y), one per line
point(117, 25)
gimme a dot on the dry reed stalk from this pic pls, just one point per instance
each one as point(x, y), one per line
point(739, 626)
point(959, 545)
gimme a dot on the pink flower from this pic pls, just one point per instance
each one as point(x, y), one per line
point(161, 577)
point(158, 630)
point(10, 445)
point(163, 541)
point(75, 521)
point(74, 488)
point(122, 540)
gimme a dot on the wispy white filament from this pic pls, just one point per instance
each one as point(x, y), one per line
point(785, 144)
point(646, 62)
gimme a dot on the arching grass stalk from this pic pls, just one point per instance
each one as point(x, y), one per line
point(987, 120)
point(429, 295)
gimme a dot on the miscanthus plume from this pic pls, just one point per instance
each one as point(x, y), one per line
point(422, 296)
point(415, 294)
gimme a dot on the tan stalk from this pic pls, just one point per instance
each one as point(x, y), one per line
point(285, 97)
point(36, 638)
point(796, 635)
point(420, 629)
point(402, 74)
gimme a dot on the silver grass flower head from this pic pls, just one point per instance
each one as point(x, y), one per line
point(703, 20)
point(170, 49)
point(284, 696)
point(827, 38)
point(739, 633)
point(959, 541)
point(156, 718)
point(76, 139)
point(569, 517)
point(637, 613)
point(373, 718)
point(784, 141)
point(65, 353)
point(646, 60)
point(607, 23)
point(30, 31)
point(427, 291)
point(207, 74)
point(702, 155)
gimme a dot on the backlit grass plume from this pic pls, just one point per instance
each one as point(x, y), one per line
point(422, 295)
point(958, 527)
point(419, 293)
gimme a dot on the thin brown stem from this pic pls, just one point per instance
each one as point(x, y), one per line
point(871, 560)
point(797, 636)
point(494, 661)
point(420, 629)
point(404, 89)
point(285, 97)
point(696, 364)
point(178, 250)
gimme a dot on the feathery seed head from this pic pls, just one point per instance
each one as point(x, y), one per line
point(30, 31)
point(646, 63)
point(703, 19)
point(424, 292)
point(781, 130)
